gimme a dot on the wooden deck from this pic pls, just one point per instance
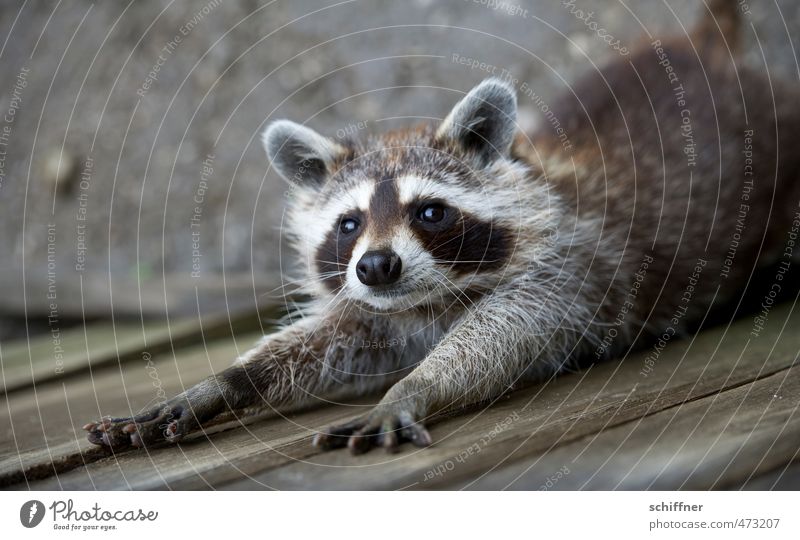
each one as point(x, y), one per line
point(718, 411)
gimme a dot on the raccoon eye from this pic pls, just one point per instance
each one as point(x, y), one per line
point(432, 213)
point(348, 225)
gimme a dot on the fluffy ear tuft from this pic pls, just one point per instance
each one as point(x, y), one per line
point(484, 121)
point(300, 154)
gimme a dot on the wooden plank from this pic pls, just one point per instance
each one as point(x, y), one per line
point(202, 462)
point(89, 295)
point(533, 421)
point(24, 363)
point(715, 442)
point(43, 425)
point(276, 452)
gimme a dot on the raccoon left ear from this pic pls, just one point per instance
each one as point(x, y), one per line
point(300, 154)
point(484, 121)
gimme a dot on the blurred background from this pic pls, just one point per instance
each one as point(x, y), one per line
point(132, 178)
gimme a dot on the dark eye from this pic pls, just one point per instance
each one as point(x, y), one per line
point(348, 225)
point(432, 213)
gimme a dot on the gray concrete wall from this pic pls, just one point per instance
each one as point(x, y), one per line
point(76, 80)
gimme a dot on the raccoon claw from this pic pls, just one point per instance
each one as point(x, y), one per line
point(387, 430)
point(165, 423)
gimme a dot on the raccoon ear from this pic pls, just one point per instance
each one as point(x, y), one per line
point(484, 121)
point(300, 154)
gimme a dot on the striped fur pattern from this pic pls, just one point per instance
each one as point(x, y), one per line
point(516, 259)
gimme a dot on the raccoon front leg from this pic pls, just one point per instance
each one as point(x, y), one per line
point(509, 334)
point(312, 358)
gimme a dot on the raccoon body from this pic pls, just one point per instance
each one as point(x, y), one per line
point(451, 262)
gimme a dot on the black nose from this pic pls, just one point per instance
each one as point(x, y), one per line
point(379, 268)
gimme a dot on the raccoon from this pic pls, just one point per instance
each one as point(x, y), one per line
point(451, 262)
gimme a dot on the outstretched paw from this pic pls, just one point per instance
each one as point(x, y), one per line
point(387, 429)
point(169, 423)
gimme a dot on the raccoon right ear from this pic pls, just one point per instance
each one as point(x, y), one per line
point(300, 154)
point(484, 121)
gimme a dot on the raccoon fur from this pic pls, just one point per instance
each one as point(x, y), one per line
point(453, 261)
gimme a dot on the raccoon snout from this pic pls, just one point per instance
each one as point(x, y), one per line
point(380, 267)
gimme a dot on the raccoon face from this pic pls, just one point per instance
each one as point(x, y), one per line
point(409, 218)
